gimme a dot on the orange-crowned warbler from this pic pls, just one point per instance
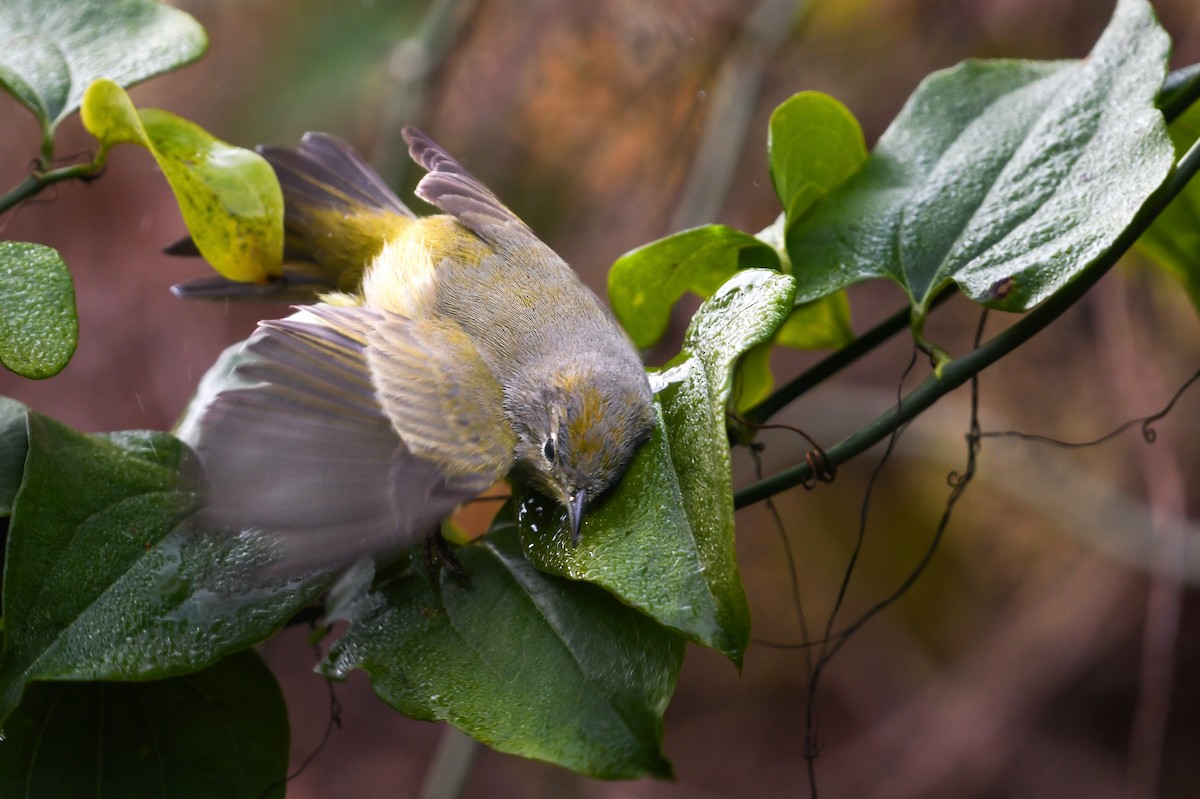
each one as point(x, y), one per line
point(460, 350)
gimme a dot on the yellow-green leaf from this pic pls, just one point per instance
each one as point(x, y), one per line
point(815, 144)
point(229, 197)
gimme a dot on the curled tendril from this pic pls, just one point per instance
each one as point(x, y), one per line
point(820, 465)
point(823, 469)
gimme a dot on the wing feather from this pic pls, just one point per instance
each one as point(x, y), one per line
point(301, 450)
point(441, 396)
point(450, 187)
point(326, 172)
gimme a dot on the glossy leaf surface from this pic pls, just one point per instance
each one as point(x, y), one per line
point(1005, 177)
point(221, 732)
point(526, 662)
point(38, 325)
point(663, 541)
point(108, 574)
point(50, 50)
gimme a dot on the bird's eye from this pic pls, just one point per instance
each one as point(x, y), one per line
point(548, 450)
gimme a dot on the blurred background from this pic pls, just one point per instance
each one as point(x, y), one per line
point(1049, 649)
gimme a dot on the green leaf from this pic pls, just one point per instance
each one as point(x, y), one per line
point(1173, 239)
point(1005, 177)
point(219, 732)
point(525, 662)
point(819, 324)
point(50, 50)
point(38, 326)
point(814, 145)
point(14, 444)
point(230, 198)
point(643, 285)
point(754, 377)
point(747, 311)
point(639, 544)
point(663, 541)
point(107, 574)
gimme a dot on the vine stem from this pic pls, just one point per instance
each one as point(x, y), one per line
point(837, 361)
point(960, 370)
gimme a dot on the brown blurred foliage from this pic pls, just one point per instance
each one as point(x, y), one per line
point(1048, 649)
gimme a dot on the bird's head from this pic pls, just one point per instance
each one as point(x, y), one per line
point(577, 435)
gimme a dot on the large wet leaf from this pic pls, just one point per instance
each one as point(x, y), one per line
point(109, 576)
point(1173, 240)
point(14, 444)
point(230, 198)
point(221, 732)
point(527, 663)
point(38, 325)
point(1005, 177)
point(50, 50)
point(663, 541)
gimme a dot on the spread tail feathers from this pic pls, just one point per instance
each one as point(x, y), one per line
point(337, 211)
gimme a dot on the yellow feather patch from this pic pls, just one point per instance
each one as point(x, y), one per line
point(402, 278)
point(340, 299)
point(346, 242)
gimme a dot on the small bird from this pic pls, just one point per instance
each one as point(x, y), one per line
point(459, 350)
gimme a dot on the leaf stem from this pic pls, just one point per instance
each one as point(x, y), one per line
point(838, 360)
point(959, 371)
point(47, 144)
point(40, 179)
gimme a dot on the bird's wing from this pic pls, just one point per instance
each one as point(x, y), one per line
point(324, 171)
point(441, 396)
point(450, 187)
point(300, 449)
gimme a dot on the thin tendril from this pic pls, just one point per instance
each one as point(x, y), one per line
point(812, 720)
point(797, 603)
point(1148, 432)
point(335, 720)
point(832, 644)
point(820, 465)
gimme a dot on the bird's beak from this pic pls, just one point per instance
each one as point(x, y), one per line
point(575, 504)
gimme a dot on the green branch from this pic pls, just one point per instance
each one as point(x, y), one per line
point(1179, 91)
point(38, 180)
point(959, 371)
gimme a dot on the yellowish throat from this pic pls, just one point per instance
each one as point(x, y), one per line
point(459, 349)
